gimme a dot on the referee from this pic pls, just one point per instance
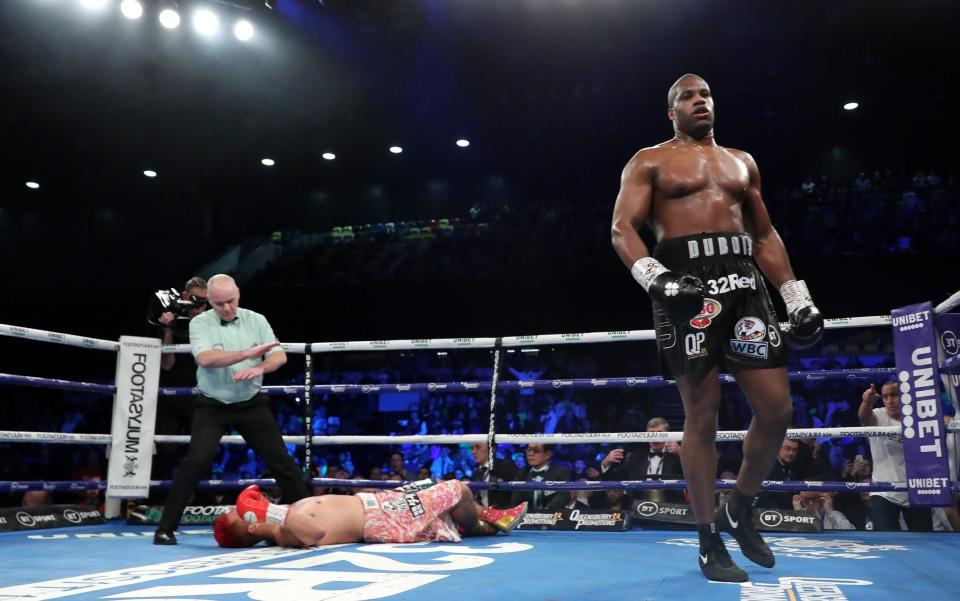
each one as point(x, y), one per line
point(233, 348)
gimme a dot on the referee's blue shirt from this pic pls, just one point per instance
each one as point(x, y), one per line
point(208, 332)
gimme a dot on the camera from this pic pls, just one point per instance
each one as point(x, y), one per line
point(169, 301)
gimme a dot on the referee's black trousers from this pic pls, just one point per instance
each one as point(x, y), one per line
point(256, 423)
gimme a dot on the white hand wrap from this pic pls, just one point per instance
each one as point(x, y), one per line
point(277, 514)
point(646, 270)
point(795, 295)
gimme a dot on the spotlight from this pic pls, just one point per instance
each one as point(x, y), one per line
point(33, 185)
point(131, 9)
point(329, 156)
point(205, 22)
point(267, 162)
point(396, 149)
point(271, 4)
point(462, 143)
point(150, 173)
point(243, 30)
point(851, 106)
point(170, 18)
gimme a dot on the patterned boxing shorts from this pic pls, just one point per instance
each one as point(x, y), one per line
point(737, 327)
point(410, 515)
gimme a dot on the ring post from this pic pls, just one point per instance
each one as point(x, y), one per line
point(491, 433)
point(922, 427)
point(134, 417)
point(307, 410)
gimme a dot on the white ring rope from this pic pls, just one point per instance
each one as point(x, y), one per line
point(951, 303)
point(424, 343)
point(598, 437)
point(58, 338)
point(520, 341)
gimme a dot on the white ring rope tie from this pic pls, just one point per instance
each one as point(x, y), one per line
point(597, 437)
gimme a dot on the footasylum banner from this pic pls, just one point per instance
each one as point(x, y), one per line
point(193, 514)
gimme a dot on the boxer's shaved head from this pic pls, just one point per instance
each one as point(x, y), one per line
point(675, 88)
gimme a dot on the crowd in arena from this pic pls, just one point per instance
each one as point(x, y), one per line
point(836, 218)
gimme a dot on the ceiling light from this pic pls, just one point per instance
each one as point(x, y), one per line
point(267, 162)
point(150, 173)
point(396, 149)
point(243, 30)
point(329, 156)
point(205, 22)
point(33, 185)
point(463, 143)
point(170, 18)
point(131, 9)
point(851, 105)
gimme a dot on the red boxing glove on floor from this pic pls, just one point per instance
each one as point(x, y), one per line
point(253, 506)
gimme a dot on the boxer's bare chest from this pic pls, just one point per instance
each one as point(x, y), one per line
point(688, 170)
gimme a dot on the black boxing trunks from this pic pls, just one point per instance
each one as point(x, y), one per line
point(737, 327)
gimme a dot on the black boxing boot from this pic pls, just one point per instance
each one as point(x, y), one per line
point(714, 560)
point(806, 321)
point(680, 295)
point(735, 516)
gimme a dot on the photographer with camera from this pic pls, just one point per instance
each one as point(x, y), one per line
point(169, 315)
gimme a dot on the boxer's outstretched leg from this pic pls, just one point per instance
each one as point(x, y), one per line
point(698, 453)
point(768, 393)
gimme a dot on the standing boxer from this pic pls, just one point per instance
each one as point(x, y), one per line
point(711, 308)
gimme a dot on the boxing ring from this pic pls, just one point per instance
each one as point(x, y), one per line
point(119, 561)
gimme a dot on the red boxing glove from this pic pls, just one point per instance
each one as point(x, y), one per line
point(253, 506)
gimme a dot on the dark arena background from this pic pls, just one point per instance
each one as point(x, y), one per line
point(414, 169)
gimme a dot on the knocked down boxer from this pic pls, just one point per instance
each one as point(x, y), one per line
point(418, 512)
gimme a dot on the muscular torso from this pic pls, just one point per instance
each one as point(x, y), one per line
point(341, 518)
point(696, 189)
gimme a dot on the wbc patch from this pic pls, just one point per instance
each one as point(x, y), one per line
point(750, 329)
point(703, 319)
point(750, 333)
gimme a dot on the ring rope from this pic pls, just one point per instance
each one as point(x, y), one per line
point(506, 385)
point(593, 485)
point(38, 382)
point(519, 341)
point(59, 338)
point(608, 437)
point(952, 302)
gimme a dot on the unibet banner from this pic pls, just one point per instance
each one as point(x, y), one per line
point(921, 423)
point(134, 414)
